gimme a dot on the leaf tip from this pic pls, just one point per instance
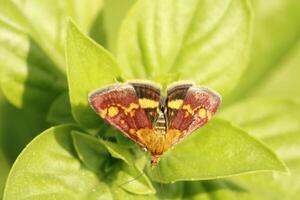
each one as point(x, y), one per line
point(71, 26)
point(283, 168)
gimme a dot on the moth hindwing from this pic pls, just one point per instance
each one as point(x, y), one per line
point(155, 122)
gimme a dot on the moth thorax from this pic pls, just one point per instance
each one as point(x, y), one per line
point(160, 124)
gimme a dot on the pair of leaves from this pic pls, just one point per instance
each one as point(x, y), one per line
point(56, 171)
point(94, 153)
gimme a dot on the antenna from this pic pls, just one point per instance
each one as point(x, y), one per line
point(143, 173)
point(135, 178)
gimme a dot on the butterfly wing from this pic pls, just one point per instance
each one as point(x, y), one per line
point(129, 108)
point(188, 108)
point(119, 105)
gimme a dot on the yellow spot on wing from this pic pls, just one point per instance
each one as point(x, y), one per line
point(103, 112)
point(188, 108)
point(175, 104)
point(202, 113)
point(148, 103)
point(113, 111)
point(131, 107)
point(131, 131)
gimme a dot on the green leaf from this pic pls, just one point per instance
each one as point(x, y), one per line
point(50, 165)
point(217, 150)
point(60, 110)
point(32, 50)
point(276, 34)
point(107, 131)
point(117, 151)
point(4, 168)
point(278, 84)
point(28, 75)
point(17, 128)
point(133, 180)
point(123, 195)
point(217, 190)
point(89, 66)
point(124, 141)
point(170, 191)
point(12, 14)
point(270, 186)
point(49, 34)
point(265, 117)
point(94, 153)
point(203, 41)
point(91, 153)
point(114, 11)
point(276, 122)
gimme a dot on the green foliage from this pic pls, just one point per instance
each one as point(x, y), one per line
point(277, 34)
point(17, 128)
point(220, 142)
point(168, 40)
point(54, 170)
point(89, 66)
point(28, 74)
point(276, 122)
point(285, 81)
point(60, 110)
point(48, 67)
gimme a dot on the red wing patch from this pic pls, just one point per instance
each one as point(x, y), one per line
point(119, 105)
point(193, 111)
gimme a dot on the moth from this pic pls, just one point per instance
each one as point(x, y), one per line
point(156, 122)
